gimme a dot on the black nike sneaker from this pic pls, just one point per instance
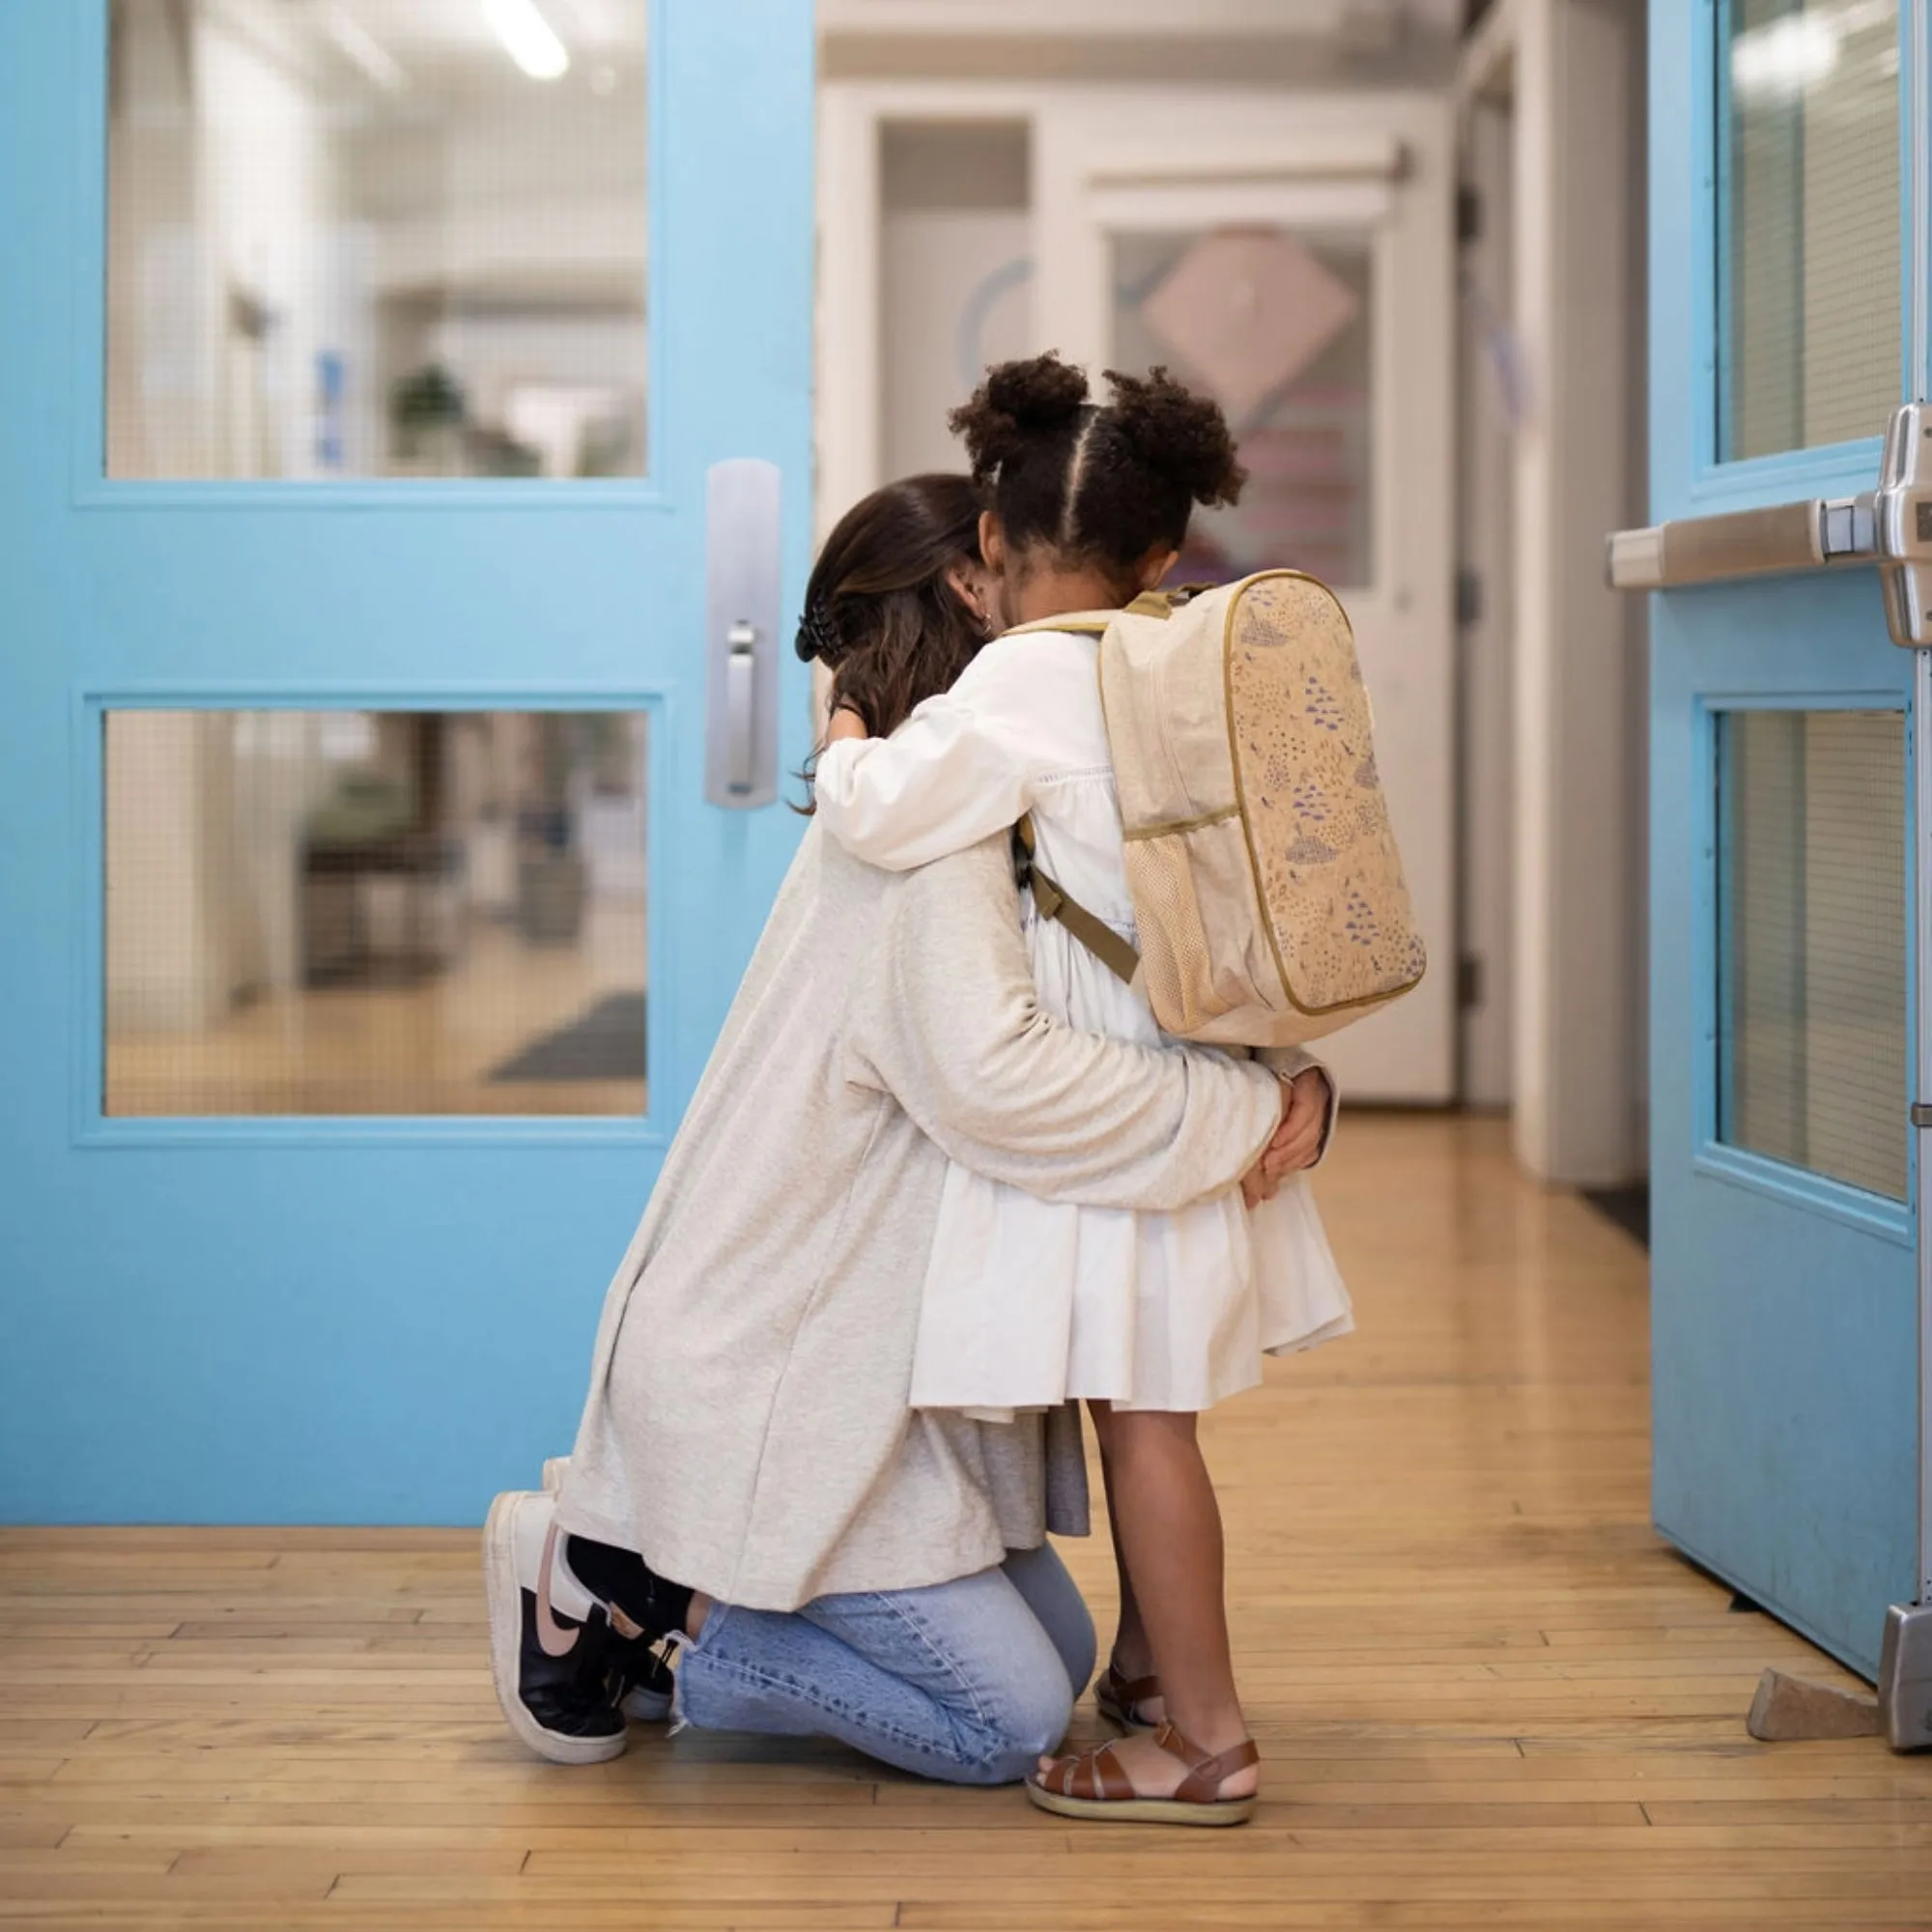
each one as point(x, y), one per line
point(647, 1678)
point(566, 1668)
point(646, 1674)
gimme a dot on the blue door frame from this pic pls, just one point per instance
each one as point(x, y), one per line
point(348, 1320)
point(1785, 1304)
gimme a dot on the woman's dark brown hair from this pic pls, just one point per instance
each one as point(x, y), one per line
point(879, 610)
point(1101, 486)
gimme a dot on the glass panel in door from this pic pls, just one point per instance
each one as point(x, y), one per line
point(329, 912)
point(1811, 901)
point(375, 237)
point(1807, 224)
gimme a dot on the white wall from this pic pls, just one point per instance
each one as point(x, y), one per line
point(265, 201)
point(1575, 76)
point(955, 289)
point(222, 192)
point(164, 966)
point(956, 277)
point(153, 418)
point(205, 813)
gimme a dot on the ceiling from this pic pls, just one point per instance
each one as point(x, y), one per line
point(1291, 43)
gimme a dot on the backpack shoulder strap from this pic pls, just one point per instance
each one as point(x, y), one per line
point(1091, 931)
point(1095, 623)
point(1083, 624)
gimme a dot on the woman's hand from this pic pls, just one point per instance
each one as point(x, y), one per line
point(845, 723)
point(1297, 1145)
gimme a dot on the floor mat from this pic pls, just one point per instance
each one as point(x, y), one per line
point(605, 1043)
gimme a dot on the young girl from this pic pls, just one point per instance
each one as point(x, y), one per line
point(1028, 1303)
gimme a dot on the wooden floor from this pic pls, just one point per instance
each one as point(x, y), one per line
point(1486, 1696)
point(430, 1046)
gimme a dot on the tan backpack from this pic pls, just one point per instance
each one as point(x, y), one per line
point(1266, 885)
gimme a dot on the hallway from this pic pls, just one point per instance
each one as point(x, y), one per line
point(1486, 1694)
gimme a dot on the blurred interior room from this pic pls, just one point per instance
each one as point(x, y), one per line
point(350, 912)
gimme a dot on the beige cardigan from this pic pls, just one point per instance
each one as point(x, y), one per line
point(747, 1426)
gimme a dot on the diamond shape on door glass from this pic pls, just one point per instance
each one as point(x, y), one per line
point(1249, 311)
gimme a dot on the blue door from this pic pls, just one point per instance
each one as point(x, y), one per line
point(1787, 298)
point(393, 742)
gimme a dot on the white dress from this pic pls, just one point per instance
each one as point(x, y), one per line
point(1028, 1302)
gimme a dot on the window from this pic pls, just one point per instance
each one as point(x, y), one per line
point(375, 239)
point(1808, 224)
point(1812, 994)
point(375, 911)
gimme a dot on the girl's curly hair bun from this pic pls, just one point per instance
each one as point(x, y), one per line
point(1016, 403)
point(1179, 435)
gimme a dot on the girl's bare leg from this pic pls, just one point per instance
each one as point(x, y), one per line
point(1132, 1654)
point(1167, 1527)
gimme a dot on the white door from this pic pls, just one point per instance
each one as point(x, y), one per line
point(1295, 257)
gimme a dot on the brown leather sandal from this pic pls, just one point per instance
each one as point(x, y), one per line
point(1093, 1784)
point(1119, 1700)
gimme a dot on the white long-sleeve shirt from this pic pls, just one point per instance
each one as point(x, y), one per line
point(1021, 732)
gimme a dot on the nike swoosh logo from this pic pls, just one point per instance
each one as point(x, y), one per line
point(554, 1639)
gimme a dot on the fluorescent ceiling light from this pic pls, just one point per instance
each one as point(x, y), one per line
point(353, 38)
point(528, 38)
point(1785, 58)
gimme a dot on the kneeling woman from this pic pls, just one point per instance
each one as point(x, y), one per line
point(748, 1481)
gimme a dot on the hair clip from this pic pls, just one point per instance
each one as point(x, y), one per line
point(818, 634)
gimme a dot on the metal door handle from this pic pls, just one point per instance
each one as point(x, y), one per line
point(1889, 526)
point(1804, 535)
point(743, 532)
point(741, 691)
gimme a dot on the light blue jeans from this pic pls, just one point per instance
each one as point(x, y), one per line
point(968, 1682)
